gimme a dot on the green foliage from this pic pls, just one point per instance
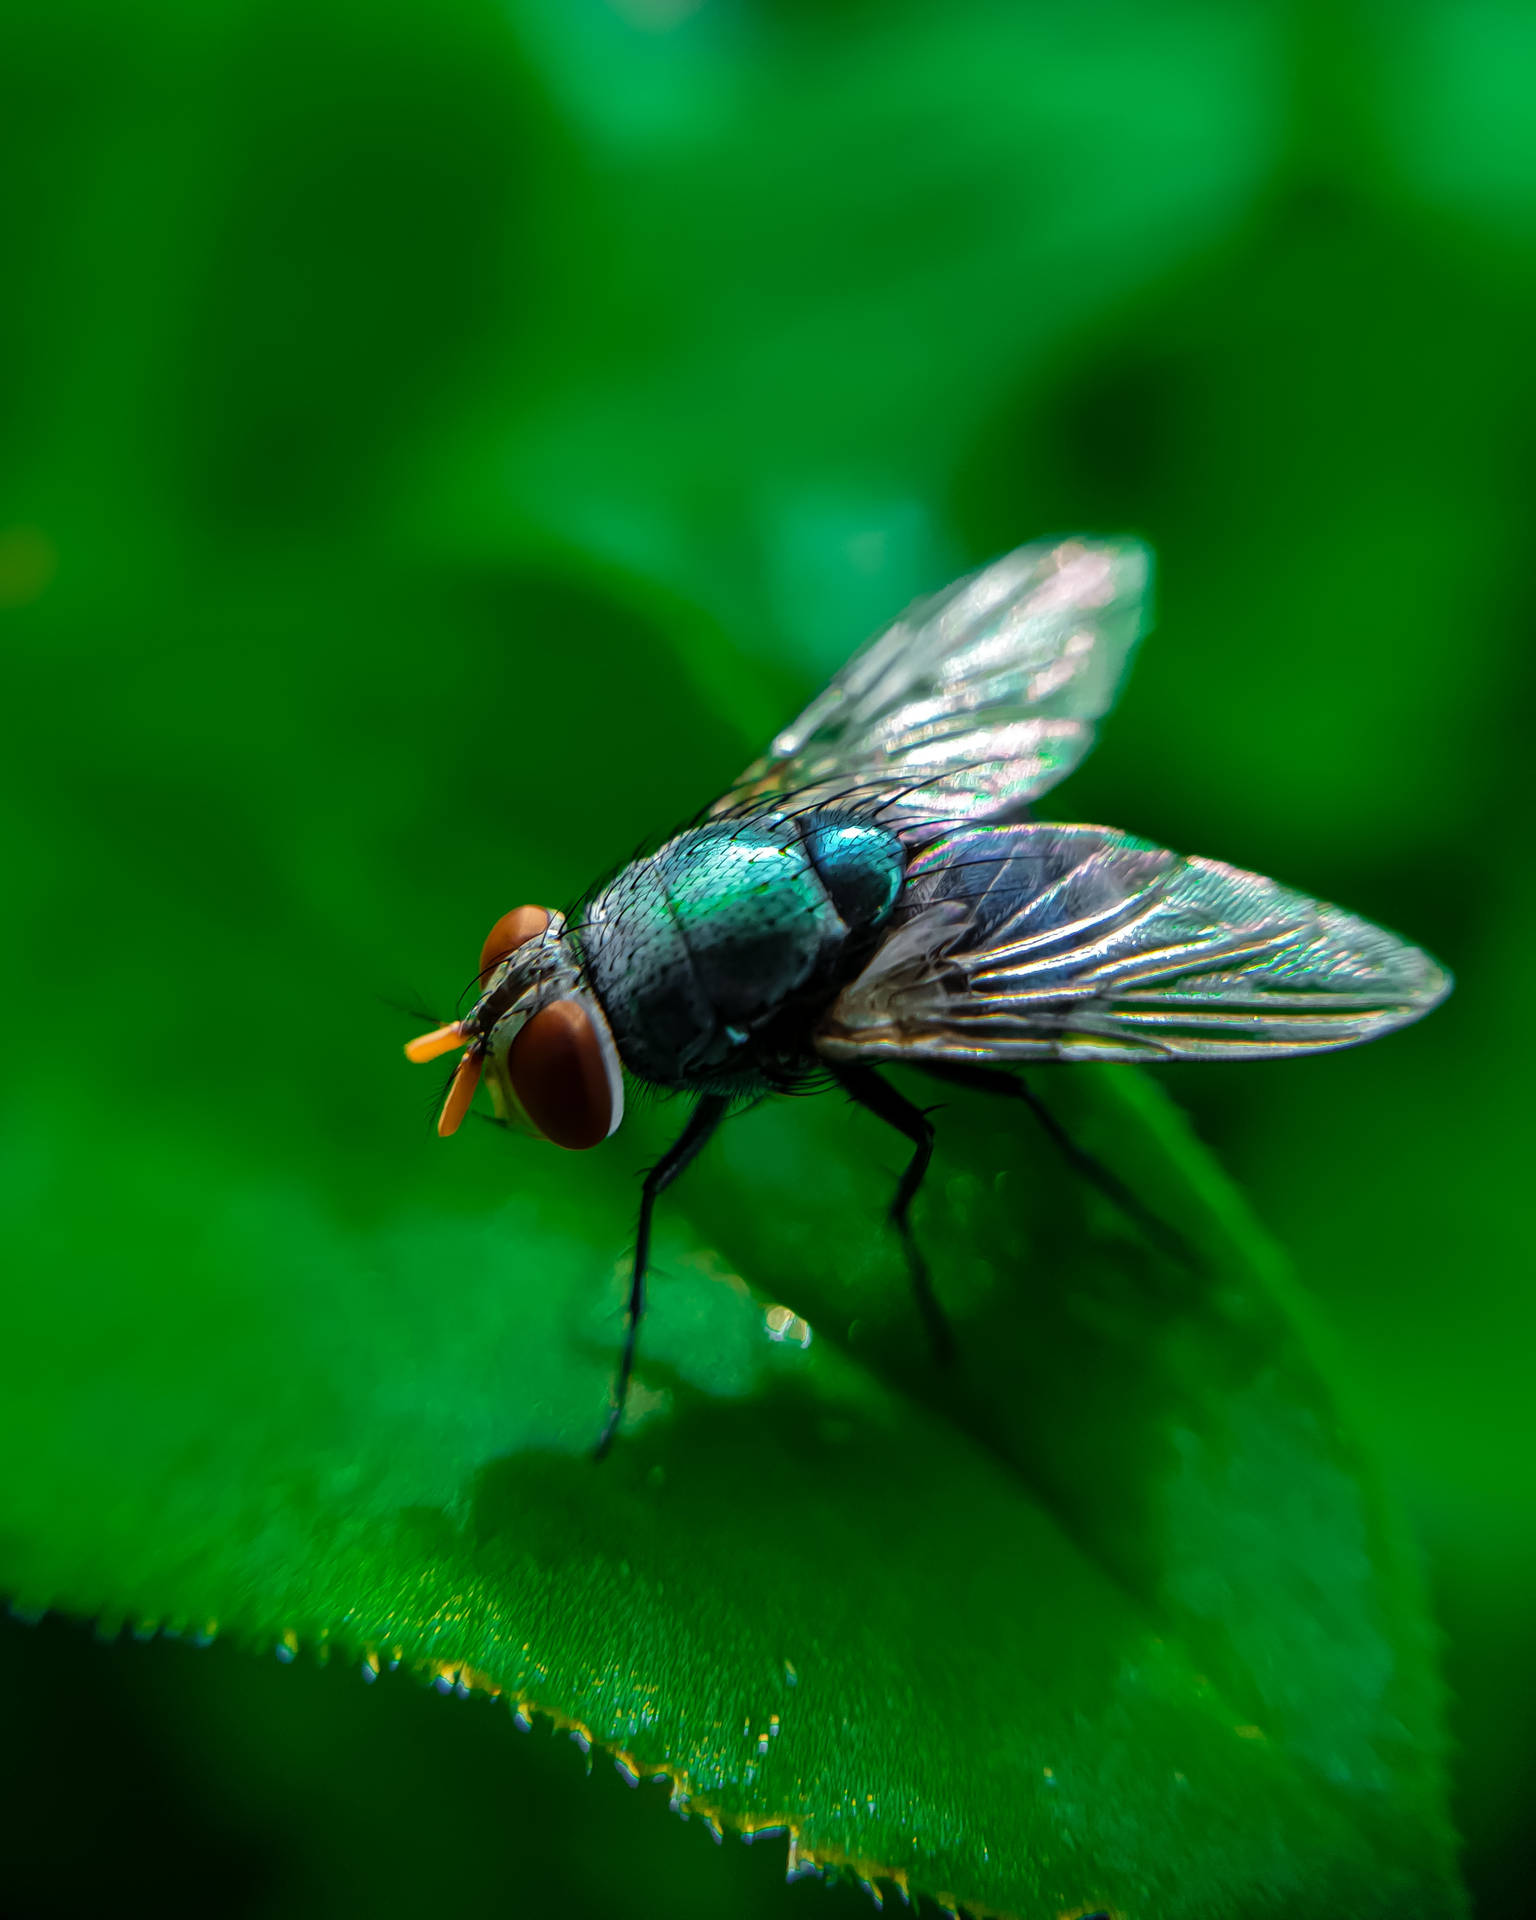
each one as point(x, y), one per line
point(440, 447)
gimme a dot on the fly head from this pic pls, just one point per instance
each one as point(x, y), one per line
point(538, 1036)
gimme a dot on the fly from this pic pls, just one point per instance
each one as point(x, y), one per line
point(871, 893)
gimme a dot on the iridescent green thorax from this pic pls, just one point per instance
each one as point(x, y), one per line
point(705, 953)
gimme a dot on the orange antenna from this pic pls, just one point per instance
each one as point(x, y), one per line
point(430, 1046)
point(461, 1092)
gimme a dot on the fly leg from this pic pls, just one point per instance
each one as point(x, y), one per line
point(999, 1081)
point(702, 1122)
point(864, 1085)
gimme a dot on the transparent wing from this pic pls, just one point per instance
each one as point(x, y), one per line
point(977, 699)
point(1048, 942)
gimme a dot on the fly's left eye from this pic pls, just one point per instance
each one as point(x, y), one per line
point(566, 1076)
point(509, 933)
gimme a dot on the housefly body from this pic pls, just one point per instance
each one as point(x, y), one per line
point(872, 893)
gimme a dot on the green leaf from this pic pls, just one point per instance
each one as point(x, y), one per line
point(1107, 1617)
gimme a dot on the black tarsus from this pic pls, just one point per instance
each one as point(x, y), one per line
point(864, 1085)
point(998, 1080)
point(702, 1122)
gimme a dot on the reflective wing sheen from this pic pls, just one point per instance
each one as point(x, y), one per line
point(977, 699)
point(1079, 943)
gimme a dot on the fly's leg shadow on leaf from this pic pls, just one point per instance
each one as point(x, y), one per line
point(702, 1122)
point(864, 1086)
point(1007, 1085)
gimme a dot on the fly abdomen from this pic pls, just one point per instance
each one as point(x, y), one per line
point(699, 948)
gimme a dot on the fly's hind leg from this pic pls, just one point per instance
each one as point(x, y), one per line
point(866, 1087)
point(998, 1080)
point(706, 1116)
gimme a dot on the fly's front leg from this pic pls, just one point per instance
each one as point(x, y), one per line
point(706, 1116)
point(869, 1090)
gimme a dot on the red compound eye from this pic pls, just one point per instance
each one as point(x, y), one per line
point(566, 1077)
point(509, 932)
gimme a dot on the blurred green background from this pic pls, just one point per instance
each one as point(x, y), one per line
point(439, 443)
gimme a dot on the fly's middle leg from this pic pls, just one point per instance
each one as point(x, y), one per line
point(864, 1085)
point(706, 1116)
